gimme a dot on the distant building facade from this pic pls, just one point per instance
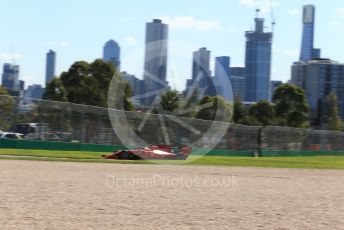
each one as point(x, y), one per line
point(34, 91)
point(112, 53)
point(201, 74)
point(319, 78)
point(222, 77)
point(10, 77)
point(155, 65)
point(135, 84)
point(238, 82)
point(273, 87)
point(222, 67)
point(201, 67)
point(50, 71)
point(21, 85)
point(133, 81)
point(258, 63)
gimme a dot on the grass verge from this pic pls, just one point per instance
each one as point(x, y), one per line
point(325, 162)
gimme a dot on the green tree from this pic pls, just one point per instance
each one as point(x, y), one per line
point(291, 106)
point(169, 101)
point(55, 91)
point(3, 91)
point(320, 117)
point(334, 121)
point(249, 120)
point(128, 93)
point(214, 108)
point(190, 104)
point(7, 107)
point(239, 110)
point(88, 83)
point(82, 86)
point(263, 112)
point(120, 94)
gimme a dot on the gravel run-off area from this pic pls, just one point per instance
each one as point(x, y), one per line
point(58, 195)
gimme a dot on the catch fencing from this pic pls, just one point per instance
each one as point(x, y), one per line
point(74, 123)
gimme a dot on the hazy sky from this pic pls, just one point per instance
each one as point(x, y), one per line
point(78, 29)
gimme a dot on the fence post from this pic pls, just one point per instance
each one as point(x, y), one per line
point(15, 113)
point(82, 122)
point(40, 120)
point(70, 126)
point(98, 126)
point(260, 141)
point(62, 119)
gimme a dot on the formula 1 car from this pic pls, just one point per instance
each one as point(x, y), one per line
point(152, 152)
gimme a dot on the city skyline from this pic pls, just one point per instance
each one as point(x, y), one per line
point(221, 32)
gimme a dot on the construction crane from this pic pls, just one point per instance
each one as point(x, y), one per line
point(12, 54)
point(257, 12)
point(273, 19)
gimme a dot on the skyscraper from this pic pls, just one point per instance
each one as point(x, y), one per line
point(201, 65)
point(200, 71)
point(10, 77)
point(135, 84)
point(273, 86)
point(50, 66)
point(258, 63)
point(319, 78)
point(222, 67)
point(133, 81)
point(238, 82)
point(223, 77)
point(34, 91)
point(307, 47)
point(112, 52)
point(155, 66)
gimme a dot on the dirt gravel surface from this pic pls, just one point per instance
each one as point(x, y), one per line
point(56, 195)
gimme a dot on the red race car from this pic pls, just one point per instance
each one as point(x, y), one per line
point(152, 152)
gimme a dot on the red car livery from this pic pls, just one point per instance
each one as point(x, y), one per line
point(152, 152)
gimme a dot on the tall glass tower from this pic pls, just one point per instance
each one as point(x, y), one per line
point(307, 48)
point(222, 67)
point(111, 53)
point(201, 67)
point(222, 75)
point(50, 66)
point(155, 66)
point(258, 63)
point(201, 74)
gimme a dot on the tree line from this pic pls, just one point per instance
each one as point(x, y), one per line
point(88, 84)
point(289, 107)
